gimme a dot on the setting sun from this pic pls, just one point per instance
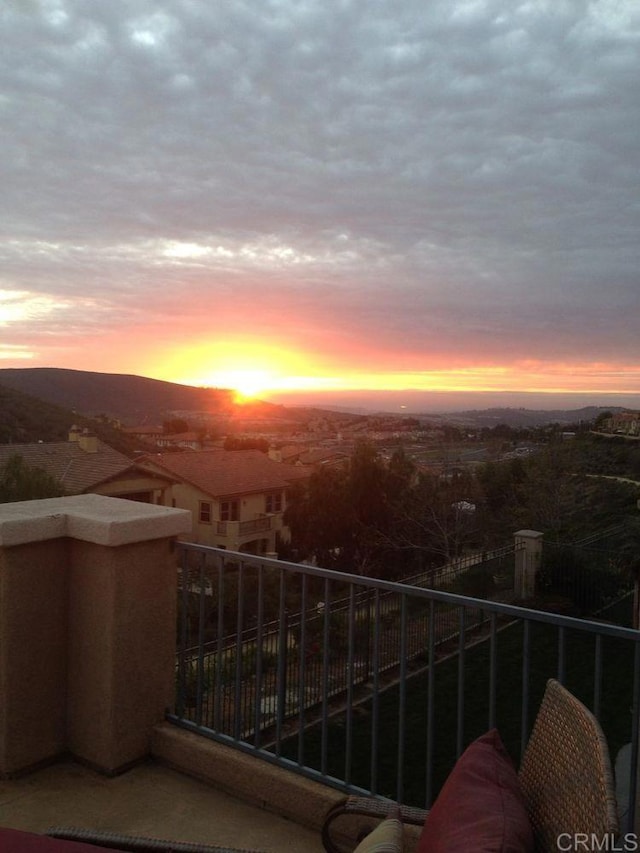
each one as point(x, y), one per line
point(250, 368)
point(247, 383)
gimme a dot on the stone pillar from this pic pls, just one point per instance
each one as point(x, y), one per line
point(87, 628)
point(528, 556)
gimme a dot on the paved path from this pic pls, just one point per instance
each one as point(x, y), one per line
point(613, 477)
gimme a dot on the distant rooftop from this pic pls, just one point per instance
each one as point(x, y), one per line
point(78, 465)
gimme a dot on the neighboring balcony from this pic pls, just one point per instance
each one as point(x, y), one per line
point(237, 530)
point(257, 535)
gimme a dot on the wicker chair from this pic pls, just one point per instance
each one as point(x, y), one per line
point(134, 844)
point(565, 776)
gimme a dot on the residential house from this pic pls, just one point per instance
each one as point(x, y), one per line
point(150, 434)
point(625, 423)
point(288, 453)
point(182, 440)
point(316, 457)
point(237, 497)
point(156, 436)
point(84, 464)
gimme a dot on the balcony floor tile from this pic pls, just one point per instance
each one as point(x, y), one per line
point(148, 800)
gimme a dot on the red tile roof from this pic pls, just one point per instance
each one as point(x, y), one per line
point(77, 470)
point(222, 473)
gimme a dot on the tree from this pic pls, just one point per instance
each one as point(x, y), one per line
point(320, 517)
point(20, 482)
point(601, 421)
point(435, 519)
point(351, 519)
point(551, 492)
point(366, 486)
point(504, 489)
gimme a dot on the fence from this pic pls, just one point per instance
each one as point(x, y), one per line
point(590, 573)
point(229, 660)
point(377, 686)
point(487, 574)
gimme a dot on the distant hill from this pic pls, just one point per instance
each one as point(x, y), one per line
point(131, 399)
point(40, 404)
point(522, 418)
point(25, 420)
point(137, 400)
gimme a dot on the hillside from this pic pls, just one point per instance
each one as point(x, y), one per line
point(131, 399)
point(137, 400)
point(522, 418)
point(25, 419)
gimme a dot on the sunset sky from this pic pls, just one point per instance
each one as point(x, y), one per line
point(324, 195)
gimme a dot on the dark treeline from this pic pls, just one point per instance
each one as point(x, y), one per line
point(389, 519)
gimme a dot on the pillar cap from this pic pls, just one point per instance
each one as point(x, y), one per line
point(529, 534)
point(89, 518)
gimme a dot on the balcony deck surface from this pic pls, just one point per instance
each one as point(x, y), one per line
point(151, 800)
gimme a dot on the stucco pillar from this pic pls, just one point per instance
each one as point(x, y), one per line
point(87, 628)
point(33, 653)
point(528, 556)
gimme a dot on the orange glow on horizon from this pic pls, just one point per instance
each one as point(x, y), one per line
point(255, 369)
point(248, 367)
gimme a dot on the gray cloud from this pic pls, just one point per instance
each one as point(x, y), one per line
point(456, 177)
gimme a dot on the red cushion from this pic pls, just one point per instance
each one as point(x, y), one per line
point(480, 807)
point(16, 841)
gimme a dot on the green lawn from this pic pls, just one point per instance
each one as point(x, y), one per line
point(615, 713)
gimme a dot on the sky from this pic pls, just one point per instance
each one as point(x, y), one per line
point(324, 196)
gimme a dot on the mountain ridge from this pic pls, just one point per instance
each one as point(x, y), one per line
point(126, 397)
point(134, 400)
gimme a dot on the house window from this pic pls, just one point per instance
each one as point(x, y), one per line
point(229, 511)
point(274, 502)
point(205, 512)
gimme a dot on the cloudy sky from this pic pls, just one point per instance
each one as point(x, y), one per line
point(323, 193)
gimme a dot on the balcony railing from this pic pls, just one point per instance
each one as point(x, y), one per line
point(244, 528)
point(369, 685)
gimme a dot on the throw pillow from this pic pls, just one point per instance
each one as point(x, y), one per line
point(480, 807)
point(385, 838)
